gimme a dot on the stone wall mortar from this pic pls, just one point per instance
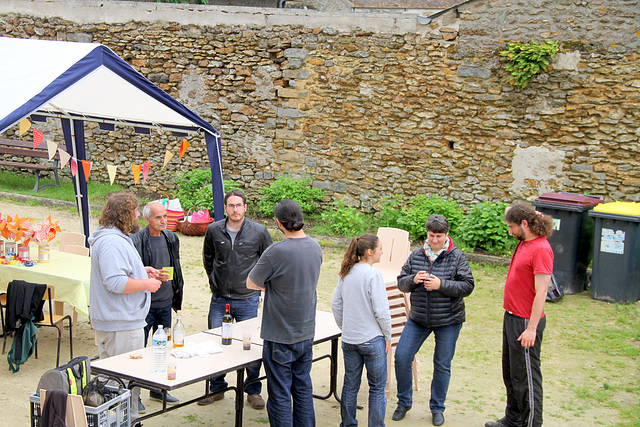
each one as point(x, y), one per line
point(371, 114)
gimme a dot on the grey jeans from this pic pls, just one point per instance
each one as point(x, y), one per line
point(114, 343)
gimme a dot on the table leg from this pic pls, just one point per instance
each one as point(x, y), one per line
point(333, 371)
point(239, 396)
point(334, 368)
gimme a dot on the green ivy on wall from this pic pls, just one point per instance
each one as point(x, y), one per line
point(525, 60)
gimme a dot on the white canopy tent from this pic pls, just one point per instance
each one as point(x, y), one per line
point(80, 82)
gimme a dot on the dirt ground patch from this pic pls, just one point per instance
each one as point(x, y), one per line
point(476, 393)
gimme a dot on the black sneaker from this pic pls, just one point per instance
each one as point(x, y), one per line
point(400, 412)
point(141, 408)
point(499, 423)
point(156, 395)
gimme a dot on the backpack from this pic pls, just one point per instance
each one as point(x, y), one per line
point(22, 346)
point(72, 377)
point(555, 291)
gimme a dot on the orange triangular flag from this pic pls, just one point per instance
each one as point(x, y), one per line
point(183, 147)
point(37, 138)
point(51, 148)
point(86, 168)
point(167, 156)
point(74, 167)
point(25, 125)
point(145, 170)
point(64, 157)
point(112, 172)
point(136, 172)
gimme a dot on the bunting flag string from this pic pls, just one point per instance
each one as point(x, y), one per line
point(52, 147)
point(111, 169)
point(25, 125)
point(136, 173)
point(86, 168)
point(168, 155)
point(74, 167)
point(183, 147)
point(64, 157)
point(145, 170)
point(37, 137)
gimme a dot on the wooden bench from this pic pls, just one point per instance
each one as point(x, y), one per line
point(12, 148)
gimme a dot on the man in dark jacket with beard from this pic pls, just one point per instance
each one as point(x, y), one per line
point(438, 277)
point(232, 246)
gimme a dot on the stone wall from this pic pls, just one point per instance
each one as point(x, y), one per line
point(371, 105)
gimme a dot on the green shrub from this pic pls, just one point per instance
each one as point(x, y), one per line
point(286, 187)
point(343, 219)
point(194, 189)
point(391, 212)
point(412, 215)
point(484, 228)
point(421, 207)
point(525, 60)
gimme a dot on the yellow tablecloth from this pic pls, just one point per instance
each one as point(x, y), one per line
point(68, 273)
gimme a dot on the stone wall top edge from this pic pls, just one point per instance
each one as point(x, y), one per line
point(90, 11)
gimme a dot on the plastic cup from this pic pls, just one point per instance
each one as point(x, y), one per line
point(170, 270)
point(171, 369)
point(246, 339)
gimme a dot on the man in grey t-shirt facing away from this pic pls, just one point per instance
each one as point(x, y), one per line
point(288, 273)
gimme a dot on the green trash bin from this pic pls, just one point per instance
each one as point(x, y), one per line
point(616, 252)
point(572, 236)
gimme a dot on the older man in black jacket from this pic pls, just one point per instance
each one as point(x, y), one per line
point(438, 277)
point(159, 248)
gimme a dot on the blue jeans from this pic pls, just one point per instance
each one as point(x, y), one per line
point(240, 309)
point(155, 317)
point(370, 354)
point(413, 335)
point(288, 368)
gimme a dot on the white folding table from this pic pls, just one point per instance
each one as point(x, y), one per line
point(188, 371)
point(194, 370)
point(326, 330)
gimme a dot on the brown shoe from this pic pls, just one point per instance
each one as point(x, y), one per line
point(256, 401)
point(211, 398)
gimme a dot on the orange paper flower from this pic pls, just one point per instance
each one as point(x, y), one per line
point(19, 229)
point(45, 232)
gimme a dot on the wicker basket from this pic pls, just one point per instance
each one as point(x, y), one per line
point(192, 228)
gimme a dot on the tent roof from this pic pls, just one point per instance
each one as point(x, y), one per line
point(83, 80)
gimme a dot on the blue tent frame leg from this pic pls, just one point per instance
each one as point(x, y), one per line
point(217, 184)
point(80, 183)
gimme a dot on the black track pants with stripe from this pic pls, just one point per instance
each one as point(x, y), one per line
point(521, 373)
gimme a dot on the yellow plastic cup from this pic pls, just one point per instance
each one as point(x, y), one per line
point(170, 270)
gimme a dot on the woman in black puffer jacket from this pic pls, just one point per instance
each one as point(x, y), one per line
point(438, 277)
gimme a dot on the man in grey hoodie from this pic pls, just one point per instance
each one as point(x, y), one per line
point(120, 284)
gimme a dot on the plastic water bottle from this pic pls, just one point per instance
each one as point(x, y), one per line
point(159, 359)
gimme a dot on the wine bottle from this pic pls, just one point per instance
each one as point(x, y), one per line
point(227, 327)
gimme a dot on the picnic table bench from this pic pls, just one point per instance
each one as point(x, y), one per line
point(11, 148)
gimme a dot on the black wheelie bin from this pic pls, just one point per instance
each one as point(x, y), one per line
point(572, 236)
point(616, 252)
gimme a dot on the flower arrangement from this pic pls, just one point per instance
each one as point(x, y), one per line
point(22, 230)
point(45, 232)
point(16, 229)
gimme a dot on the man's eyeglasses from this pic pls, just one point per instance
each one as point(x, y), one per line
point(235, 207)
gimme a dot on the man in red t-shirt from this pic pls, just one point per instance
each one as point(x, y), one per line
point(525, 293)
